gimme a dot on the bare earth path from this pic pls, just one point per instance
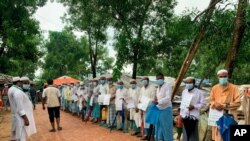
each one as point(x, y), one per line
point(73, 129)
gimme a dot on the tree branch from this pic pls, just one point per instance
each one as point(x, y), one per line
point(210, 7)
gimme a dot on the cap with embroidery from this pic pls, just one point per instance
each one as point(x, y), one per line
point(24, 78)
point(15, 79)
point(222, 71)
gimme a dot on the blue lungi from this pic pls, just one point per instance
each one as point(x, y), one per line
point(164, 126)
point(96, 113)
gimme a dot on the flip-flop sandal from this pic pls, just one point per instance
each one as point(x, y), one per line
point(52, 130)
point(59, 128)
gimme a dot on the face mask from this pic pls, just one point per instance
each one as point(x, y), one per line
point(189, 86)
point(78, 85)
point(71, 86)
point(102, 81)
point(95, 83)
point(133, 86)
point(110, 82)
point(223, 81)
point(160, 82)
point(119, 86)
point(145, 82)
point(26, 86)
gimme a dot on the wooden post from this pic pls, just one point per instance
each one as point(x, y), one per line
point(195, 45)
point(239, 29)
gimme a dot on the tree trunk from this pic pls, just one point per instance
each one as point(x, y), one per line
point(135, 62)
point(138, 45)
point(91, 55)
point(194, 46)
point(239, 29)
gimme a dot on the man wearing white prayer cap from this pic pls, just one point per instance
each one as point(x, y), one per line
point(190, 114)
point(134, 116)
point(224, 96)
point(23, 124)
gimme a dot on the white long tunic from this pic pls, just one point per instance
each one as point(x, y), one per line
point(103, 89)
point(134, 95)
point(120, 94)
point(21, 105)
point(149, 92)
point(197, 101)
point(163, 95)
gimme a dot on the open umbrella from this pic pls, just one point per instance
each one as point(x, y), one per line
point(65, 79)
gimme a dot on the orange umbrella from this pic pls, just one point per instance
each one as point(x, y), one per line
point(65, 79)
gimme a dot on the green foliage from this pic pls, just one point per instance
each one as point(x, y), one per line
point(20, 37)
point(138, 25)
point(89, 17)
point(66, 55)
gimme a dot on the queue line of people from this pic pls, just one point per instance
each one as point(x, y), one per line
point(147, 111)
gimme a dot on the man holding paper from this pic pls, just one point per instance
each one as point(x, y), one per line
point(121, 95)
point(111, 90)
point(224, 96)
point(132, 102)
point(192, 102)
point(103, 91)
point(164, 123)
point(96, 113)
point(147, 95)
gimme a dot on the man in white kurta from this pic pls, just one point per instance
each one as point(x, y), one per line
point(103, 90)
point(133, 96)
point(191, 113)
point(148, 91)
point(73, 93)
point(23, 124)
point(121, 95)
point(164, 126)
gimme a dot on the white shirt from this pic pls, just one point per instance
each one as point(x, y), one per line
point(73, 90)
point(163, 95)
point(134, 94)
point(148, 92)
point(21, 105)
point(103, 89)
point(120, 93)
point(197, 101)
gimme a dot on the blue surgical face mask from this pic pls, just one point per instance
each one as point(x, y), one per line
point(223, 81)
point(133, 86)
point(26, 86)
point(189, 86)
point(145, 82)
point(110, 82)
point(119, 86)
point(160, 82)
point(103, 81)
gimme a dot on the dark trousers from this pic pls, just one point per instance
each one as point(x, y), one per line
point(54, 112)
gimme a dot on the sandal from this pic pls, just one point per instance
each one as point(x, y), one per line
point(59, 128)
point(52, 130)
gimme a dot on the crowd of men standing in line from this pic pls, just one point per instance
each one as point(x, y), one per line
point(146, 111)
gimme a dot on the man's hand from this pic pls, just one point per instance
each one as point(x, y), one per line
point(191, 107)
point(218, 106)
point(136, 110)
point(26, 121)
point(155, 101)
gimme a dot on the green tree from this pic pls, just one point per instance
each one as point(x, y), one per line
point(91, 18)
point(135, 23)
point(66, 55)
point(19, 37)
